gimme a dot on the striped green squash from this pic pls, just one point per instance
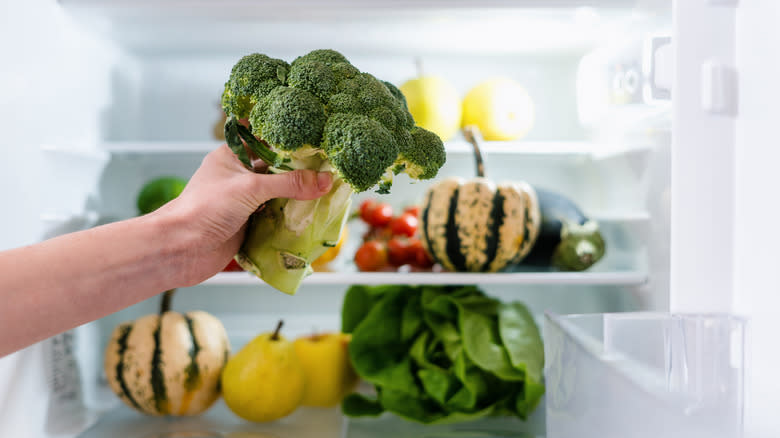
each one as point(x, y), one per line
point(478, 226)
point(167, 364)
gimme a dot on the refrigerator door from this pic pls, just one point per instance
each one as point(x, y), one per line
point(724, 157)
point(703, 146)
point(754, 160)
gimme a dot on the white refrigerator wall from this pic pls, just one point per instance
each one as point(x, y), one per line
point(54, 81)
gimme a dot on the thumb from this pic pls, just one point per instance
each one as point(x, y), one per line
point(297, 184)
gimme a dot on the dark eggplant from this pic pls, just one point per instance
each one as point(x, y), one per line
point(568, 240)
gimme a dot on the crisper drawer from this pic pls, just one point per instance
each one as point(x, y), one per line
point(644, 375)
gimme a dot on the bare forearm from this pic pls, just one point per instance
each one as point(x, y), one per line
point(72, 279)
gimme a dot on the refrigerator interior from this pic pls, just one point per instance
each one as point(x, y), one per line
point(601, 136)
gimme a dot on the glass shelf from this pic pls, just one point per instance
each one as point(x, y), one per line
point(627, 278)
point(458, 146)
point(219, 422)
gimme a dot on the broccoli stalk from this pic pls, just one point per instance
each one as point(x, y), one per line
point(279, 250)
point(321, 113)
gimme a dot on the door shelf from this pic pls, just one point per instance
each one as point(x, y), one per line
point(613, 278)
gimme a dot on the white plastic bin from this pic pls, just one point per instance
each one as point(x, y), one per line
point(644, 375)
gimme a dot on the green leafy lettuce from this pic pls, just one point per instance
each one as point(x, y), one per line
point(440, 354)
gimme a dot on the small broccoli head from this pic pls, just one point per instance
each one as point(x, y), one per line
point(397, 94)
point(403, 109)
point(313, 76)
point(251, 78)
point(320, 72)
point(361, 149)
point(343, 103)
point(325, 56)
point(288, 118)
point(373, 93)
point(344, 71)
point(425, 156)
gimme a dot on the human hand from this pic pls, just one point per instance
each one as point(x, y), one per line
point(212, 211)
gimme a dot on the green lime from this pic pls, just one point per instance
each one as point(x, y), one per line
point(158, 191)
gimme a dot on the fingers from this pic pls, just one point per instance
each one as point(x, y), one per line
point(298, 184)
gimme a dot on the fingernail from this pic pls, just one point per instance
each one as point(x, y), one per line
point(324, 180)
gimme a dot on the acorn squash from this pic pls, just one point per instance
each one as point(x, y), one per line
point(168, 363)
point(476, 225)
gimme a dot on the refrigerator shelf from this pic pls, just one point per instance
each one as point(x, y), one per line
point(457, 146)
point(305, 422)
point(627, 278)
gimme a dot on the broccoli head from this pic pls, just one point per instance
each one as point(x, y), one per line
point(361, 148)
point(425, 156)
point(253, 77)
point(318, 112)
point(288, 118)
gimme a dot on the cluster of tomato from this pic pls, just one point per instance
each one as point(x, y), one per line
point(392, 240)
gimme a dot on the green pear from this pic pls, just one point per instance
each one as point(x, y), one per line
point(264, 381)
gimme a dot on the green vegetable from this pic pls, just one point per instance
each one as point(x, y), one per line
point(442, 354)
point(158, 192)
point(318, 112)
point(568, 240)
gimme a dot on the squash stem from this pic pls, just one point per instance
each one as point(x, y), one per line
point(471, 133)
point(275, 336)
point(165, 304)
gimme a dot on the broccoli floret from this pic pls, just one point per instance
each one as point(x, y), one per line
point(406, 116)
point(343, 103)
point(288, 118)
point(344, 70)
point(321, 113)
point(360, 148)
point(425, 156)
point(397, 94)
point(253, 77)
point(325, 56)
point(313, 76)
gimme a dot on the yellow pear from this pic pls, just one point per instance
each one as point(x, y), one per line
point(264, 381)
point(434, 103)
point(501, 108)
point(327, 368)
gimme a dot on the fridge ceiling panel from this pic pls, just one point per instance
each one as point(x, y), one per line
point(419, 26)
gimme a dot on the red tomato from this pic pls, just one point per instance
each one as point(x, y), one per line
point(381, 215)
point(419, 255)
point(371, 256)
point(366, 207)
point(398, 252)
point(374, 233)
point(233, 266)
point(414, 210)
point(404, 225)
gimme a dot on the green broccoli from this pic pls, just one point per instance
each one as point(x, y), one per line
point(318, 112)
point(253, 77)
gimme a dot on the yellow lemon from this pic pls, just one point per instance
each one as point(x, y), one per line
point(434, 103)
point(501, 108)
